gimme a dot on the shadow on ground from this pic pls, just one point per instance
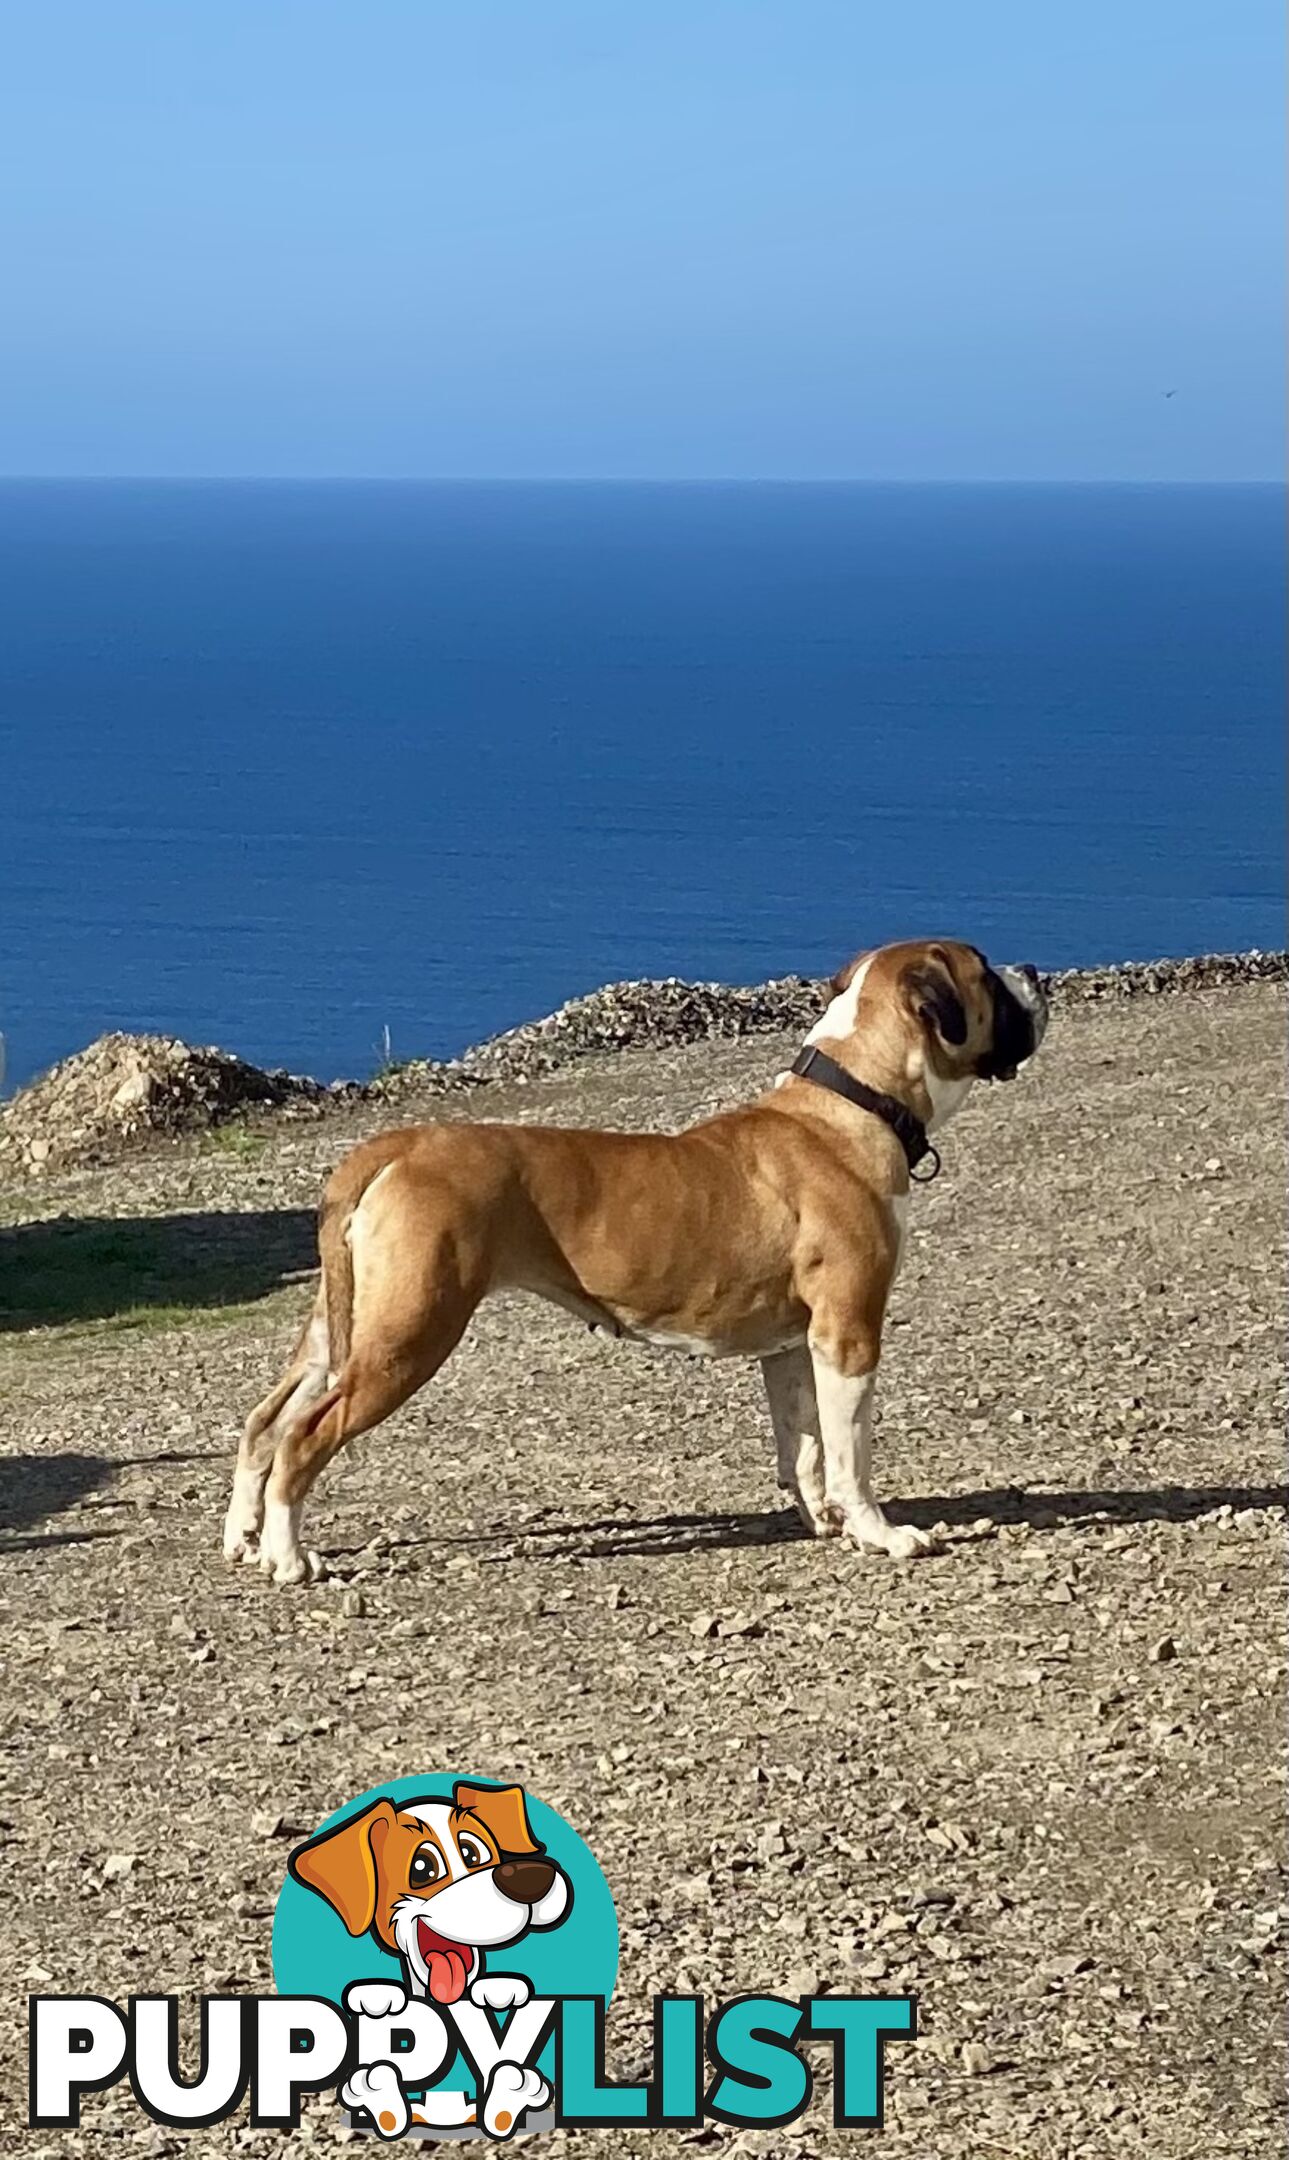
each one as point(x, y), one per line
point(98, 1268)
point(34, 1487)
point(616, 1538)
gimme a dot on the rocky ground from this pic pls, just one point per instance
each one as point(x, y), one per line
point(1036, 1778)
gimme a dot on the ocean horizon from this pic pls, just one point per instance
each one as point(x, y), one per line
point(315, 769)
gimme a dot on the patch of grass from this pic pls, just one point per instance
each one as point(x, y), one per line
point(237, 1140)
point(148, 1271)
point(159, 1319)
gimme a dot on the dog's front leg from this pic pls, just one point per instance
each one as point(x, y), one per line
point(790, 1388)
point(846, 1423)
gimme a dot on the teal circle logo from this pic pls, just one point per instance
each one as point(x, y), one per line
point(459, 1894)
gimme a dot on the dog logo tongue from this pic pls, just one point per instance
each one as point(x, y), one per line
point(447, 1963)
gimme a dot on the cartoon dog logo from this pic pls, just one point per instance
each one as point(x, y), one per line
point(438, 1883)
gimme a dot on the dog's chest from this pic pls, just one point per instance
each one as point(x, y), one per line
point(752, 1341)
point(756, 1334)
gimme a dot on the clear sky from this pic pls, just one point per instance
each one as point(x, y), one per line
point(946, 239)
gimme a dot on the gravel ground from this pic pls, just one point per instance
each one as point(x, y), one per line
point(1036, 1778)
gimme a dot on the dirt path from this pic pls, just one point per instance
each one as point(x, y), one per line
point(1037, 1779)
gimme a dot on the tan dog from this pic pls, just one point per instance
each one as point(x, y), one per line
point(772, 1231)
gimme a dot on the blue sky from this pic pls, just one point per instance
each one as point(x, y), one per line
point(813, 238)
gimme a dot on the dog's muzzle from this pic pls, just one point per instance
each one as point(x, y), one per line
point(1020, 1021)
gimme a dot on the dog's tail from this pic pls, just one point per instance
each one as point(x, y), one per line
point(346, 1190)
point(337, 1275)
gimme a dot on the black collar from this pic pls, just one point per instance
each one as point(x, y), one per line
point(909, 1130)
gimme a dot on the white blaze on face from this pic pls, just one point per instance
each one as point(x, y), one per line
point(842, 1015)
point(1029, 995)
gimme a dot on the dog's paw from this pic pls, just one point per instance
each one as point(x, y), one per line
point(500, 1991)
point(286, 1569)
point(240, 1544)
point(822, 1522)
point(379, 2089)
point(376, 1998)
point(899, 1541)
point(513, 2091)
point(906, 1543)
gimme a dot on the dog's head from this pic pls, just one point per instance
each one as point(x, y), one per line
point(956, 1018)
point(438, 1881)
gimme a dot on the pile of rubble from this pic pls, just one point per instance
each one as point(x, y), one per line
point(652, 1015)
point(1162, 978)
point(645, 1016)
point(126, 1087)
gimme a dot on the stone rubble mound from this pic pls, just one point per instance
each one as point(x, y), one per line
point(650, 1015)
point(645, 1016)
point(126, 1087)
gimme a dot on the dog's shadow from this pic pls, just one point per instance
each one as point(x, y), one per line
point(74, 1269)
point(36, 1488)
point(613, 1538)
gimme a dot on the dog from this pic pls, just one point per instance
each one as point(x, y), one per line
point(770, 1231)
point(439, 1883)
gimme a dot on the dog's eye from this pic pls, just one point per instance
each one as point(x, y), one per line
point(427, 1867)
point(472, 1852)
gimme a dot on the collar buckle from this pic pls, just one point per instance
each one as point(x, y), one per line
point(814, 1064)
point(924, 1177)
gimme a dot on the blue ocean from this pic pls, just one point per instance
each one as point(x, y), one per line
point(303, 769)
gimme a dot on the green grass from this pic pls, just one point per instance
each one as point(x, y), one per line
point(238, 1141)
point(156, 1272)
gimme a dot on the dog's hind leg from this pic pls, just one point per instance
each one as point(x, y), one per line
point(379, 1375)
point(301, 1385)
point(794, 1414)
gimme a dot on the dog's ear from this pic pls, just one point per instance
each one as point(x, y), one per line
point(341, 1864)
point(845, 976)
point(501, 1810)
point(933, 996)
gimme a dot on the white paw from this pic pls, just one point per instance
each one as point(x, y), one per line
point(500, 1991)
point(512, 2091)
point(292, 1567)
point(376, 1998)
point(239, 1542)
point(379, 2089)
point(906, 1543)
